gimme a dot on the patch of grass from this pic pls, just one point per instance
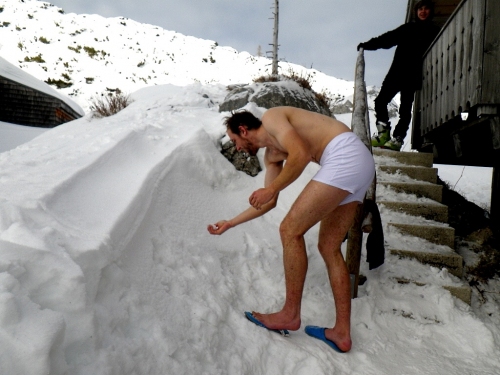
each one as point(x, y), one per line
point(37, 59)
point(109, 104)
point(304, 81)
point(77, 49)
point(324, 98)
point(43, 40)
point(59, 83)
point(91, 51)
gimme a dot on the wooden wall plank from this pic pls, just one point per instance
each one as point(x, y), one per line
point(491, 59)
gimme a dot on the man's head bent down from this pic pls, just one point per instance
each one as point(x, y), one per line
point(238, 126)
point(241, 118)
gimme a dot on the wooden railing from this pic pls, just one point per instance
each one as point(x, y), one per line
point(461, 69)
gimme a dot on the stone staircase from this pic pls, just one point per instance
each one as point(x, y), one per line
point(409, 195)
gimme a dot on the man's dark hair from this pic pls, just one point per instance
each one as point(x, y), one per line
point(243, 118)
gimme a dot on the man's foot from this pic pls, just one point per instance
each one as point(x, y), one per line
point(384, 134)
point(278, 320)
point(250, 317)
point(320, 334)
point(343, 342)
point(395, 143)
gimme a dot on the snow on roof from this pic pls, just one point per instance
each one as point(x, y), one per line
point(16, 74)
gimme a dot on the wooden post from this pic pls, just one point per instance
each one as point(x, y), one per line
point(353, 254)
point(361, 127)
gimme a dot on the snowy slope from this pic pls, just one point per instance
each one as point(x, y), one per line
point(94, 54)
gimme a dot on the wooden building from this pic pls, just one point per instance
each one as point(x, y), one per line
point(456, 114)
point(24, 100)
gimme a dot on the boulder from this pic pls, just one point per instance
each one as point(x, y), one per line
point(241, 161)
point(273, 94)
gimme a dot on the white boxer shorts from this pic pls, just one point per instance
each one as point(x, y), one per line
point(347, 164)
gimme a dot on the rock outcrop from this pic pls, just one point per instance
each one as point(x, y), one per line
point(273, 94)
point(266, 95)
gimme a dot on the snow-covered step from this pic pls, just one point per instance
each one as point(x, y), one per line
point(432, 191)
point(431, 211)
point(462, 292)
point(450, 260)
point(410, 158)
point(417, 173)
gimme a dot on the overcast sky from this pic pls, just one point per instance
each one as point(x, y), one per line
point(316, 33)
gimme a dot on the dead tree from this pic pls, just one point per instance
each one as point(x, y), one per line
point(274, 71)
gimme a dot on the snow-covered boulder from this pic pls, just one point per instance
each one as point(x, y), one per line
point(274, 94)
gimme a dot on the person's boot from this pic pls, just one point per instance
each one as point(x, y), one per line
point(383, 135)
point(395, 143)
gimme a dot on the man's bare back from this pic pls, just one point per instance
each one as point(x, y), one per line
point(314, 129)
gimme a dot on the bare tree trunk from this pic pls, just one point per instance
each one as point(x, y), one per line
point(275, 38)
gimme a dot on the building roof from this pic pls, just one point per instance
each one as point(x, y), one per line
point(13, 73)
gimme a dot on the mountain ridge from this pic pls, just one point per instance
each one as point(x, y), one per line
point(84, 56)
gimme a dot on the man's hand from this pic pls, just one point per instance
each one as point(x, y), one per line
point(261, 197)
point(219, 227)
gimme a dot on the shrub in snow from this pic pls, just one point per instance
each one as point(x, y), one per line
point(109, 104)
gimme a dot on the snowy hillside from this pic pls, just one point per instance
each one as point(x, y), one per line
point(90, 54)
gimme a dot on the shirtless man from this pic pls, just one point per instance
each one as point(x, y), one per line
point(294, 137)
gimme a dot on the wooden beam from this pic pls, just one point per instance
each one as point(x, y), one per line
point(495, 196)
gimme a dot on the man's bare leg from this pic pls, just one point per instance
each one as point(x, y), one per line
point(332, 232)
point(316, 202)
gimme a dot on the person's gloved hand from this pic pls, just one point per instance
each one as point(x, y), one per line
point(360, 45)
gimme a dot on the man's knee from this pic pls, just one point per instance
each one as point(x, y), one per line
point(330, 247)
point(289, 228)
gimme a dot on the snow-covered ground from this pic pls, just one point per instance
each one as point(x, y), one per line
point(106, 266)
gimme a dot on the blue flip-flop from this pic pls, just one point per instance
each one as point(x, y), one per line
point(319, 333)
point(250, 317)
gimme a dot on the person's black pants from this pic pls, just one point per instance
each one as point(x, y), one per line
point(390, 87)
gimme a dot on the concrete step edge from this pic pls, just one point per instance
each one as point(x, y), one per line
point(426, 174)
point(463, 293)
point(431, 191)
point(409, 158)
point(433, 233)
point(452, 262)
point(432, 211)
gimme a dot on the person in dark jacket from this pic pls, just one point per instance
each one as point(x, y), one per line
point(412, 40)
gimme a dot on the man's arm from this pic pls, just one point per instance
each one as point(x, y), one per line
point(278, 126)
point(386, 40)
point(273, 169)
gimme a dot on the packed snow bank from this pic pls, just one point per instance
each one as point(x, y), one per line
point(12, 135)
point(106, 266)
